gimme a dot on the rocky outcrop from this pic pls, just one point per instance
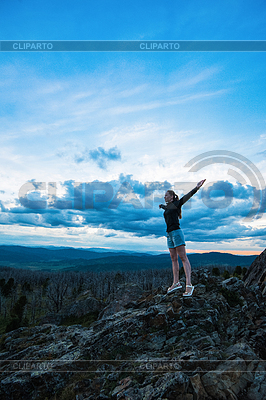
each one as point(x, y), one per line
point(125, 297)
point(256, 274)
point(147, 346)
point(83, 305)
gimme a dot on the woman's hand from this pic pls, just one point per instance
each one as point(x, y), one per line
point(200, 183)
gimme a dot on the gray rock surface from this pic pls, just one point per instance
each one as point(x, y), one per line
point(256, 274)
point(146, 346)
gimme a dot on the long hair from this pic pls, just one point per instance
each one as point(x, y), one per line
point(175, 197)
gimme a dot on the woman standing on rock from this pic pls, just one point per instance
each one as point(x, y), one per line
point(175, 237)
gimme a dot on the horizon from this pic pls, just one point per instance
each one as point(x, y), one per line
point(130, 251)
point(91, 140)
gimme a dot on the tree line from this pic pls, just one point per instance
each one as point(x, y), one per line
point(27, 295)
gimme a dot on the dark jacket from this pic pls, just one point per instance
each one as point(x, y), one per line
point(172, 211)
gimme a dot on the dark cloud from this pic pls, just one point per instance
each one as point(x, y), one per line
point(3, 208)
point(121, 205)
point(30, 195)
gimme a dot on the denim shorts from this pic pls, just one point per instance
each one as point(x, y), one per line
point(175, 239)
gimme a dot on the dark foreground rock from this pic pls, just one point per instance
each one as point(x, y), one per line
point(147, 346)
point(256, 274)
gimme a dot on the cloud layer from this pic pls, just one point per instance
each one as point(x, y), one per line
point(99, 136)
point(128, 206)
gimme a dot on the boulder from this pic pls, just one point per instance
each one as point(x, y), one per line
point(198, 388)
point(257, 390)
point(126, 296)
point(228, 380)
point(256, 274)
point(83, 307)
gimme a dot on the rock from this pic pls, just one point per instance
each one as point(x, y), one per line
point(256, 274)
point(172, 340)
point(131, 393)
point(145, 345)
point(187, 396)
point(200, 289)
point(171, 314)
point(51, 318)
point(126, 295)
point(156, 316)
point(157, 342)
point(259, 340)
point(170, 385)
point(242, 350)
point(160, 320)
point(198, 388)
point(232, 282)
point(228, 380)
point(123, 384)
point(216, 338)
point(203, 342)
point(234, 285)
point(83, 307)
point(257, 390)
point(113, 308)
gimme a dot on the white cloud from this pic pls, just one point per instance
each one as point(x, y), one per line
point(53, 120)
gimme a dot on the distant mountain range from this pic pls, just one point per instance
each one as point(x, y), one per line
point(68, 258)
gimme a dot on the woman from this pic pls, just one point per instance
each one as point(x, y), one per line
point(175, 237)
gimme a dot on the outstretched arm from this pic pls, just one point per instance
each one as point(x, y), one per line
point(187, 196)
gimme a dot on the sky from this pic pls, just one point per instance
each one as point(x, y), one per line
point(90, 141)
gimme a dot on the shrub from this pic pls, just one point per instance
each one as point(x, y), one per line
point(26, 287)
point(7, 288)
point(238, 270)
point(232, 298)
point(215, 271)
point(13, 324)
point(226, 274)
point(18, 308)
point(84, 320)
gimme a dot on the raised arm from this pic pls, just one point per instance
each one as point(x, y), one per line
point(187, 196)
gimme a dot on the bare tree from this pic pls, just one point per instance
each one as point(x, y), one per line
point(33, 307)
point(56, 293)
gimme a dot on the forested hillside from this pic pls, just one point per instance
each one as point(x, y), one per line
point(29, 296)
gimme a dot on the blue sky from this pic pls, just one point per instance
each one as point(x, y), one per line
point(132, 118)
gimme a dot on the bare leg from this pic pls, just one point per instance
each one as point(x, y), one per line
point(175, 264)
point(181, 251)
